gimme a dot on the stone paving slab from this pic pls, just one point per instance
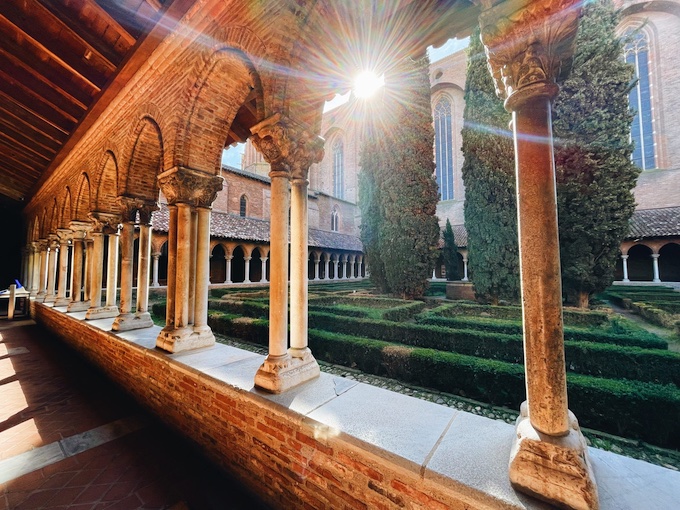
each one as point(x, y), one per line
point(210, 357)
point(307, 397)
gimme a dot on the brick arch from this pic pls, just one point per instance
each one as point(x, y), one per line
point(54, 218)
point(107, 190)
point(138, 177)
point(83, 199)
point(66, 211)
point(226, 80)
point(35, 230)
point(44, 223)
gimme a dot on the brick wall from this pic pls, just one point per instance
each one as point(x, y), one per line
point(288, 459)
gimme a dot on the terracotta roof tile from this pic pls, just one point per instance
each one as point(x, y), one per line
point(661, 222)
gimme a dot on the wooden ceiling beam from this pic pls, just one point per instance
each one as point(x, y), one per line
point(12, 191)
point(20, 140)
point(36, 107)
point(22, 157)
point(125, 17)
point(26, 134)
point(52, 46)
point(10, 109)
point(103, 14)
point(78, 26)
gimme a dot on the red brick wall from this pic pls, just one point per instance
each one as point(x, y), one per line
point(289, 460)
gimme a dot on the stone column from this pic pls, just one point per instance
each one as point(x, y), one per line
point(142, 314)
point(352, 266)
point(360, 260)
point(87, 271)
point(264, 269)
point(53, 244)
point(655, 265)
point(104, 224)
point(528, 49)
point(317, 261)
point(227, 261)
point(624, 258)
point(112, 269)
point(64, 236)
point(190, 194)
point(79, 229)
point(127, 240)
point(155, 257)
point(42, 271)
point(327, 265)
point(247, 269)
point(290, 150)
point(32, 269)
point(465, 268)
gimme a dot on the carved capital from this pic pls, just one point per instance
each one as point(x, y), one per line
point(287, 146)
point(104, 223)
point(53, 241)
point(80, 229)
point(187, 186)
point(129, 206)
point(64, 235)
point(529, 47)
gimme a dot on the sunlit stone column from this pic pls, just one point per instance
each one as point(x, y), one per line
point(655, 266)
point(53, 244)
point(87, 270)
point(624, 258)
point(155, 257)
point(112, 269)
point(103, 225)
point(263, 279)
point(190, 194)
point(64, 236)
point(42, 271)
point(79, 229)
point(528, 49)
point(352, 266)
point(290, 150)
point(465, 268)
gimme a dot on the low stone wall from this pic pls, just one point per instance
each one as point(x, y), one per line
point(460, 290)
point(290, 460)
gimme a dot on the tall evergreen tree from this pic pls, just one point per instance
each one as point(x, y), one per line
point(595, 175)
point(450, 253)
point(488, 174)
point(398, 184)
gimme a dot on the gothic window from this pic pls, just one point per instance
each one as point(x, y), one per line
point(243, 206)
point(335, 220)
point(338, 170)
point(636, 52)
point(443, 148)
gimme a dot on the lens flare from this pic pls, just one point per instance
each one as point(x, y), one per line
point(367, 84)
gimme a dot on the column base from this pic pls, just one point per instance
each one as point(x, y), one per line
point(130, 321)
point(184, 339)
point(281, 373)
point(50, 298)
point(554, 469)
point(78, 306)
point(62, 301)
point(40, 297)
point(102, 312)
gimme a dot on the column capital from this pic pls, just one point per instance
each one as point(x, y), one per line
point(624, 257)
point(52, 241)
point(129, 206)
point(185, 185)
point(104, 223)
point(529, 47)
point(64, 234)
point(655, 255)
point(287, 146)
point(80, 229)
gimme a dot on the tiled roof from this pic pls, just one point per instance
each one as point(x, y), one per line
point(249, 175)
point(661, 222)
point(231, 226)
point(459, 236)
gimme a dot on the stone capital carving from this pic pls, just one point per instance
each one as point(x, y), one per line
point(287, 146)
point(80, 229)
point(53, 241)
point(187, 186)
point(129, 206)
point(64, 235)
point(104, 223)
point(529, 47)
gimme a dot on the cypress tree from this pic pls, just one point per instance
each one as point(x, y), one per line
point(595, 175)
point(398, 186)
point(488, 174)
point(450, 253)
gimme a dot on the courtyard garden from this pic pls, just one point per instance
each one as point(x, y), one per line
point(623, 380)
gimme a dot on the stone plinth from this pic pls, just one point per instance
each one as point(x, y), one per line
point(280, 373)
point(184, 339)
point(460, 290)
point(130, 321)
point(102, 312)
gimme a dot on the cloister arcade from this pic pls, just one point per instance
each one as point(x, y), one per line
point(223, 76)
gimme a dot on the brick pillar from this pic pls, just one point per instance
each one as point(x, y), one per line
point(526, 56)
point(290, 150)
point(190, 194)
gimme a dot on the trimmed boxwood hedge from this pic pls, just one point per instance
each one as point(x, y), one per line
point(571, 317)
point(641, 339)
point(646, 411)
point(604, 360)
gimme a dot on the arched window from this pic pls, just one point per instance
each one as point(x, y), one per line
point(243, 206)
point(338, 170)
point(636, 52)
point(335, 220)
point(443, 148)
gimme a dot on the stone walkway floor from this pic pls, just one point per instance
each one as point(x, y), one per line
point(70, 439)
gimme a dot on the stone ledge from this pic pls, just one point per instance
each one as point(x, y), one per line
point(360, 441)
